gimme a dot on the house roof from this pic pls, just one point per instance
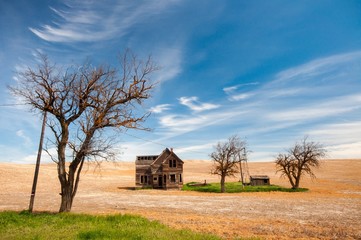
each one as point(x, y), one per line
point(156, 159)
point(164, 156)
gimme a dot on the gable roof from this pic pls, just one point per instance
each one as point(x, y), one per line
point(164, 156)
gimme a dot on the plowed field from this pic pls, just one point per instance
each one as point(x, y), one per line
point(330, 210)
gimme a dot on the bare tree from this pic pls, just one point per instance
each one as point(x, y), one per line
point(83, 102)
point(299, 160)
point(226, 158)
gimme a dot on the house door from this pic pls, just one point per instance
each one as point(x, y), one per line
point(160, 181)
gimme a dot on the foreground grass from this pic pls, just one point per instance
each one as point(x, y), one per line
point(23, 226)
point(236, 187)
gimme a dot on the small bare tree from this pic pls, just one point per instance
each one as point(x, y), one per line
point(83, 102)
point(226, 158)
point(299, 160)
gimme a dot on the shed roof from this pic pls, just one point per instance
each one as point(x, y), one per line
point(255, 177)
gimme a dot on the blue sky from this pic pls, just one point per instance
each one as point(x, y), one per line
point(269, 71)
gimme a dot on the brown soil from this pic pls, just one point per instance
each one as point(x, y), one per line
point(330, 210)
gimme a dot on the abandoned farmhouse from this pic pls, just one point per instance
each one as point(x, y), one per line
point(164, 171)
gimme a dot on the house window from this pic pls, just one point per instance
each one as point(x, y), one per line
point(180, 178)
point(144, 179)
point(172, 163)
point(172, 178)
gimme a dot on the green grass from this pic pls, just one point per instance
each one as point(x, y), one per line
point(23, 225)
point(236, 187)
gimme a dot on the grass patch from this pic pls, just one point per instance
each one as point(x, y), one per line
point(236, 187)
point(23, 225)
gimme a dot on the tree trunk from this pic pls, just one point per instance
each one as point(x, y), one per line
point(69, 187)
point(297, 182)
point(66, 197)
point(289, 176)
point(223, 187)
point(298, 177)
point(65, 178)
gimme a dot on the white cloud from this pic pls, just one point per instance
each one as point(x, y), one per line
point(88, 16)
point(27, 140)
point(287, 92)
point(331, 134)
point(160, 108)
point(170, 61)
point(178, 123)
point(235, 87)
point(195, 105)
point(83, 22)
point(346, 150)
point(328, 108)
point(317, 67)
point(241, 96)
point(129, 150)
point(235, 95)
point(195, 148)
point(175, 125)
point(315, 93)
point(230, 89)
point(12, 154)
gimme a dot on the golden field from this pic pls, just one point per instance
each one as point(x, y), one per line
point(331, 209)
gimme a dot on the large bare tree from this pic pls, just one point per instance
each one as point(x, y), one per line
point(84, 101)
point(226, 158)
point(300, 159)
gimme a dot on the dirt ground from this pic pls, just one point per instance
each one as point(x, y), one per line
point(330, 210)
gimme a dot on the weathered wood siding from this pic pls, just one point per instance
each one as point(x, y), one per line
point(163, 171)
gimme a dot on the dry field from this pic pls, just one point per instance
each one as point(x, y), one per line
point(330, 210)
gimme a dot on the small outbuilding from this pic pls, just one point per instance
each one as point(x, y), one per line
point(259, 180)
point(164, 171)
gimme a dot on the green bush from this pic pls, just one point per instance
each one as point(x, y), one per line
point(236, 187)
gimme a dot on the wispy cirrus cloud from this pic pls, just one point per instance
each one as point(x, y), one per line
point(345, 150)
point(241, 96)
point(331, 107)
point(178, 124)
point(160, 108)
point(92, 21)
point(234, 94)
point(318, 67)
point(288, 102)
point(231, 89)
point(27, 140)
point(81, 21)
point(170, 61)
point(333, 133)
point(347, 128)
point(182, 123)
point(195, 105)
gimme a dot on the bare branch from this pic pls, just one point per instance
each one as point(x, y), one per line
point(82, 102)
point(301, 158)
point(226, 158)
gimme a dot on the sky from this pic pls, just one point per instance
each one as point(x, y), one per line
point(271, 72)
